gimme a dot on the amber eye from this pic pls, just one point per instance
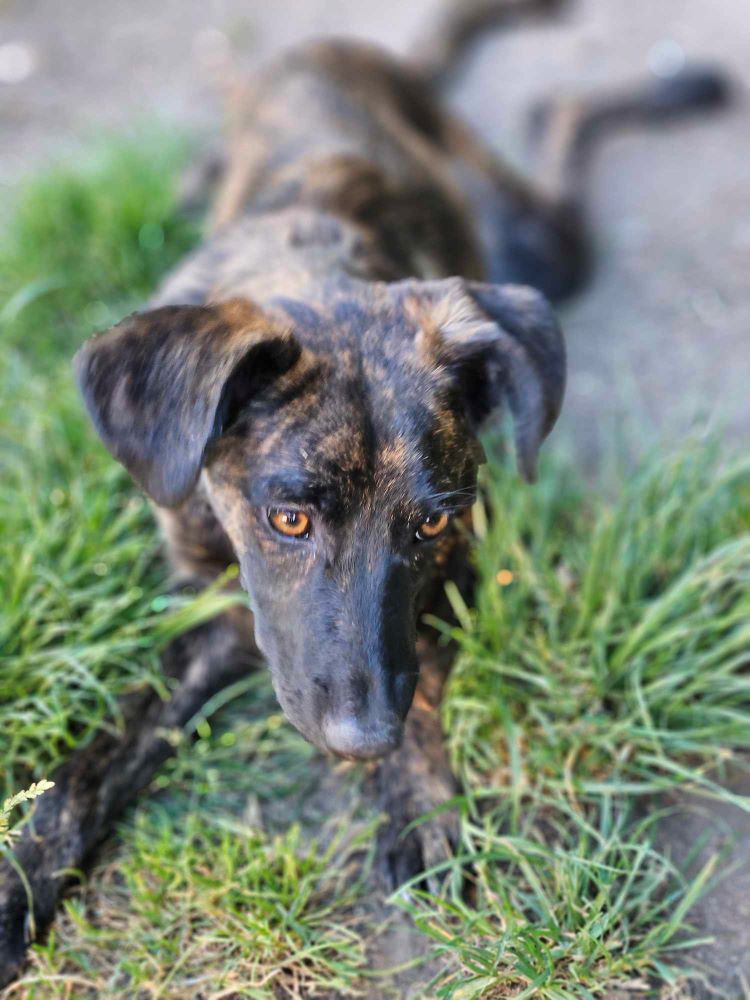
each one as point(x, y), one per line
point(431, 527)
point(289, 522)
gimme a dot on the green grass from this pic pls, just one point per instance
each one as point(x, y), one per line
point(85, 610)
point(85, 246)
point(616, 659)
point(565, 906)
point(202, 898)
point(84, 607)
point(605, 660)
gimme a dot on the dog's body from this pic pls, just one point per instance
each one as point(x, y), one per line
point(362, 369)
point(303, 396)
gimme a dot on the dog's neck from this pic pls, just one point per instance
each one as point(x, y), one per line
point(297, 252)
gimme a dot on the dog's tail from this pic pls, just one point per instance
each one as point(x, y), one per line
point(443, 49)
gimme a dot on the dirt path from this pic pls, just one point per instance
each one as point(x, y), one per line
point(663, 330)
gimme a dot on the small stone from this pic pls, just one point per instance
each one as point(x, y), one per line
point(666, 58)
point(17, 62)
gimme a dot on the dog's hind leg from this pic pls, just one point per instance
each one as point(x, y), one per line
point(99, 780)
point(535, 231)
point(563, 134)
point(447, 43)
point(563, 130)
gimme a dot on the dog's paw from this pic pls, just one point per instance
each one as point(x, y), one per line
point(11, 961)
point(415, 788)
point(409, 847)
point(14, 925)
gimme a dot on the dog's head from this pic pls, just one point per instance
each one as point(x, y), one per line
point(336, 444)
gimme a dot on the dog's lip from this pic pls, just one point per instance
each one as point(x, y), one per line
point(361, 758)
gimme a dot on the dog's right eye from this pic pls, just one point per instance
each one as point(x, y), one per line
point(289, 522)
point(433, 526)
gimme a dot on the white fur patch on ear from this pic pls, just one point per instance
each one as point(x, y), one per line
point(449, 322)
point(502, 346)
point(456, 314)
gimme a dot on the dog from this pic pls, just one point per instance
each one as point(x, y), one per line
point(304, 395)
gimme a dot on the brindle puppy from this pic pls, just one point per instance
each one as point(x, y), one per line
point(304, 396)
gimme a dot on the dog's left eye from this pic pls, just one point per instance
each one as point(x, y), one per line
point(289, 522)
point(431, 527)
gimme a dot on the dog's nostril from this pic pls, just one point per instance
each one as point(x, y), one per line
point(349, 738)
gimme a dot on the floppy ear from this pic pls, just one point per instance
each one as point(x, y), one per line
point(503, 346)
point(161, 385)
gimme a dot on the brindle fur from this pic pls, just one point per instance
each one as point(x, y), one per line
point(319, 350)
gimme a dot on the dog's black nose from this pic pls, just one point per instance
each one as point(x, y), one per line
point(347, 737)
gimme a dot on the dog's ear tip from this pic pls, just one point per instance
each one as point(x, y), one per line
point(86, 374)
point(163, 495)
point(80, 360)
point(83, 357)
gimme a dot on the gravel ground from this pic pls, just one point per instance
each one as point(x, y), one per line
point(660, 336)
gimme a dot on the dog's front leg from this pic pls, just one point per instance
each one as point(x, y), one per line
point(417, 779)
point(96, 784)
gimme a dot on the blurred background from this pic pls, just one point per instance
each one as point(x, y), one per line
point(669, 210)
point(658, 341)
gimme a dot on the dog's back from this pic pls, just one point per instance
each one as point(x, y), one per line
point(343, 128)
